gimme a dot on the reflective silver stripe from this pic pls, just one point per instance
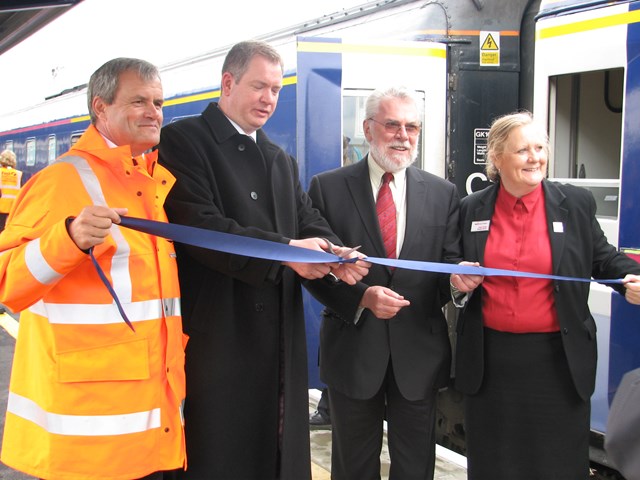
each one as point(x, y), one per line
point(37, 265)
point(120, 274)
point(103, 314)
point(12, 194)
point(83, 425)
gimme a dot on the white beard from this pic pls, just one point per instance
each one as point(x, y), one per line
point(393, 162)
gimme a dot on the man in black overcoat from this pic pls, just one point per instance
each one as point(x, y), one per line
point(246, 410)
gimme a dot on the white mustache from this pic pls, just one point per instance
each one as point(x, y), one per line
point(401, 145)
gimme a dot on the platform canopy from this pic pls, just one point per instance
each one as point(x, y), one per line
point(21, 18)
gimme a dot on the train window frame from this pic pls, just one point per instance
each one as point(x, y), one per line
point(353, 115)
point(52, 149)
point(581, 103)
point(74, 137)
point(30, 148)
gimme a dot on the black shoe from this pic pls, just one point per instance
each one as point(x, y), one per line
point(3, 310)
point(317, 421)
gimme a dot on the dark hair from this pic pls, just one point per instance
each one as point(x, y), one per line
point(105, 80)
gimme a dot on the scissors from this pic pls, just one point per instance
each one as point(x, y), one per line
point(345, 254)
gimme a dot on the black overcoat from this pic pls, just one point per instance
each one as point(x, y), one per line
point(579, 248)
point(243, 315)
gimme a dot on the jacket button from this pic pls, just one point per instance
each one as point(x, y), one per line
point(241, 148)
point(565, 331)
point(254, 195)
point(557, 288)
point(259, 307)
point(139, 194)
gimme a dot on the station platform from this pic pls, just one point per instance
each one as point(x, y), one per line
point(449, 465)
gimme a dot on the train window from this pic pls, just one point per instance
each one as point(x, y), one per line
point(74, 139)
point(353, 114)
point(585, 133)
point(52, 152)
point(8, 145)
point(31, 152)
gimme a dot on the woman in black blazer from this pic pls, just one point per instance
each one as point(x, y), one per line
point(526, 348)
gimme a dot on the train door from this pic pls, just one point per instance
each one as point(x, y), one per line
point(335, 77)
point(584, 80)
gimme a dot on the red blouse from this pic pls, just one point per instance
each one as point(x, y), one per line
point(519, 240)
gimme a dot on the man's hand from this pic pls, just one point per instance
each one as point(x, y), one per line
point(632, 285)
point(350, 273)
point(93, 225)
point(383, 302)
point(466, 283)
point(310, 271)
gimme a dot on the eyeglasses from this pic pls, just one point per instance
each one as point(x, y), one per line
point(394, 127)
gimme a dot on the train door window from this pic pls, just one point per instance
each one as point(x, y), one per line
point(74, 139)
point(8, 145)
point(31, 152)
point(585, 133)
point(355, 145)
point(52, 151)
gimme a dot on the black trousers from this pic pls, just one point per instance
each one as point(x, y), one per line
point(357, 434)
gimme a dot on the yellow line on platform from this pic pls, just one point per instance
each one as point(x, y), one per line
point(9, 324)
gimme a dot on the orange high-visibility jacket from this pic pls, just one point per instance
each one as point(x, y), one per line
point(10, 181)
point(88, 397)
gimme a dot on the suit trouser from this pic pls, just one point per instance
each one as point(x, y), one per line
point(357, 434)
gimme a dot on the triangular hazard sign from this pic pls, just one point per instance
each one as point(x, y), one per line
point(489, 43)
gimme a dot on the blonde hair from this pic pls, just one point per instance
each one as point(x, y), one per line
point(500, 130)
point(8, 159)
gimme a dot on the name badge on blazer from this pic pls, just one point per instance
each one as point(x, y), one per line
point(480, 226)
point(558, 227)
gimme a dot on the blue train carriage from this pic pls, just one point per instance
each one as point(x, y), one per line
point(587, 75)
point(470, 61)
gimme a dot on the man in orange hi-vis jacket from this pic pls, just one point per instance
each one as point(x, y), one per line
point(10, 181)
point(89, 396)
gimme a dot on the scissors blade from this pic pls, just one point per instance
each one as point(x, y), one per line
point(345, 255)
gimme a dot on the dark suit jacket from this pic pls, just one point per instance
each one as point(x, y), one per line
point(237, 309)
point(354, 358)
point(578, 249)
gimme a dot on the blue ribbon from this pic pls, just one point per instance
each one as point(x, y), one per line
point(105, 280)
point(257, 248)
point(253, 247)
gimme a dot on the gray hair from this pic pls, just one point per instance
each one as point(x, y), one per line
point(105, 80)
point(238, 59)
point(500, 130)
point(402, 93)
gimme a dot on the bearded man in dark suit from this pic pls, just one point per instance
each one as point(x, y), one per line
point(384, 345)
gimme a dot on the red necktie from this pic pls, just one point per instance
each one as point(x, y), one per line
point(386, 210)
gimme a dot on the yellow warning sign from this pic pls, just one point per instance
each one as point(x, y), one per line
point(489, 43)
point(489, 49)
